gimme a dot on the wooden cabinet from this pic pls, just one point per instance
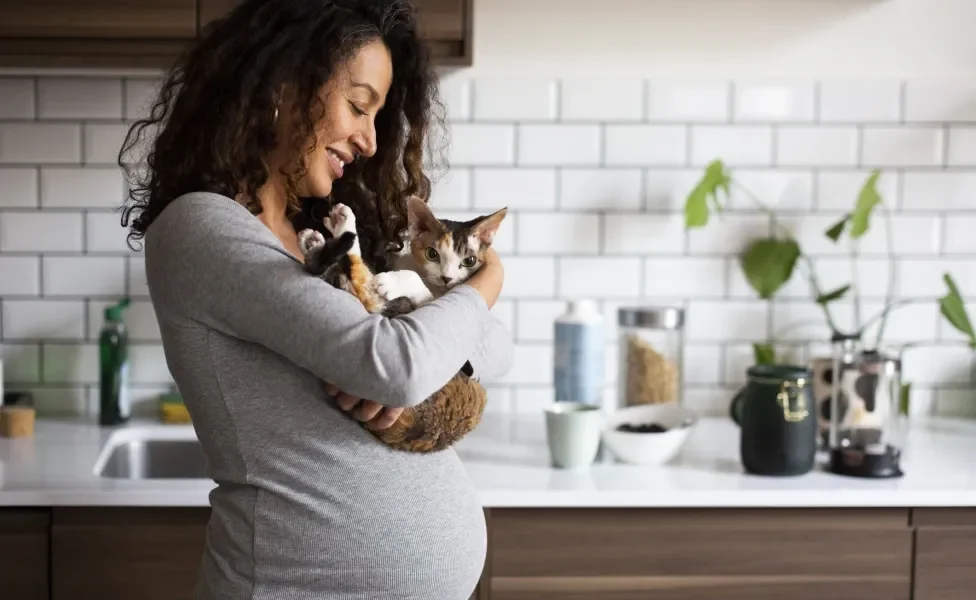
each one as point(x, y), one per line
point(945, 554)
point(151, 33)
point(126, 553)
point(631, 553)
point(24, 553)
point(132, 33)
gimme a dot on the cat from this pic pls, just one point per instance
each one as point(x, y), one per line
point(447, 253)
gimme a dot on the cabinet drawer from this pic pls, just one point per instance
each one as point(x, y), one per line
point(98, 19)
point(655, 542)
point(701, 588)
point(945, 564)
point(944, 517)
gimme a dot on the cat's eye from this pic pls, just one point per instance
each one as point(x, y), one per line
point(469, 261)
point(432, 255)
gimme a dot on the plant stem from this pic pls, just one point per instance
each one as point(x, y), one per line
point(890, 292)
point(811, 272)
point(855, 288)
point(883, 315)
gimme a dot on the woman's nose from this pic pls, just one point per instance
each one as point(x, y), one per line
point(366, 142)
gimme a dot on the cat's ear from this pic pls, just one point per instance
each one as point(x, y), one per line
point(486, 228)
point(419, 217)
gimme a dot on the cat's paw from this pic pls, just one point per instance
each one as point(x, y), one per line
point(340, 220)
point(401, 284)
point(308, 240)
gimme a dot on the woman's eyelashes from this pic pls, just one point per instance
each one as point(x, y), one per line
point(357, 110)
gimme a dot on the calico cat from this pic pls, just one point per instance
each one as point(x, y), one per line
point(447, 253)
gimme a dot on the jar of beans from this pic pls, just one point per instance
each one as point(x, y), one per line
point(651, 354)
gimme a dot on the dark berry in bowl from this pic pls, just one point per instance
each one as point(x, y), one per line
point(642, 427)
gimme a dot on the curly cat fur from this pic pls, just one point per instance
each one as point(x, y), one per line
point(451, 412)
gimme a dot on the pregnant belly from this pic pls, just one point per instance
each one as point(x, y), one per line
point(399, 526)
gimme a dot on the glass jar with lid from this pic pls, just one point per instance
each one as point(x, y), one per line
point(651, 353)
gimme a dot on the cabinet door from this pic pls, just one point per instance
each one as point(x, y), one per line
point(23, 553)
point(126, 553)
point(945, 553)
point(98, 19)
point(446, 24)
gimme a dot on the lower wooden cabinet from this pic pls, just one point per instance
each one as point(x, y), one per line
point(546, 554)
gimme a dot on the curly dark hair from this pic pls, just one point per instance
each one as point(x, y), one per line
point(213, 121)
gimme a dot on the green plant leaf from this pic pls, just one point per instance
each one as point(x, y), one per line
point(833, 295)
point(867, 199)
point(768, 264)
point(953, 309)
point(764, 354)
point(904, 398)
point(715, 178)
point(838, 228)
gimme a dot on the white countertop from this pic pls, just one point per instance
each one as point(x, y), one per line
point(508, 462)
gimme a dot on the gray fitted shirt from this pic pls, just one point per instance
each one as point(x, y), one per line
point(308, 504)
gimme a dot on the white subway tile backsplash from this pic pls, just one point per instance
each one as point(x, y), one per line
point(140, 94)
point(43, 319)
point(507, 99)
point(736, 145)
point(860, 100)
point(103, 142)
point(565, 233)
point(599, 277)
point(21, 363)
point(596, 172)
point(18, 188)
point(455, 92)
point(40, 143)
point(77, 187)
point(536, 319)
point(600, 189)
point(962, 146)
point(646, 145)
point(684, 277)
point(937, 365)
point(816, 145)
point(644, 234)
point(939, 191)
point(79, 98)
point(559, 145)
point(71, 363)
point(482, 144)
point(774, 101)
point(84, 275)
point(904, 146)
point(20, 276)
point(451, 190)
point(40, 231)
point(602, 99)
point(519, 189)
point(935, 100)
point(923, 278)
point(726, 321)
point(16, 98)
point(838, 190)
point(728, 233)
point(529, 277)
point(688, 100)
point(960, 234)
point(781, 190)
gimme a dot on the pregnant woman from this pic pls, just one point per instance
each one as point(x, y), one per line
point(280, 101)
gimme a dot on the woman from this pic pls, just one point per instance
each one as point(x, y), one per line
point(284, 100)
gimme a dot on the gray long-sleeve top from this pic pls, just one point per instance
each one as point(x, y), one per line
point(308, 504)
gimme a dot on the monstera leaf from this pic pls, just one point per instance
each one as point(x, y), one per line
point(715, 179)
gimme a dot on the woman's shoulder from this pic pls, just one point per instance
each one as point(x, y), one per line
point(200, 217)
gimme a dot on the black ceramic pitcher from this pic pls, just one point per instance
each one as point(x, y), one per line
point(776, 412)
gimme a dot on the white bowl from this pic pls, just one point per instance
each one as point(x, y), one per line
point(648, 448)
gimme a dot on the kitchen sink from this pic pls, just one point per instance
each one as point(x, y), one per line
point(152, 453)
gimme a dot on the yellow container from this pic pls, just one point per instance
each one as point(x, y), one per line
point(172, 409)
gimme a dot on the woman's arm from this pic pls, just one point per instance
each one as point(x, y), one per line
point(209, 260)
point(492, 357)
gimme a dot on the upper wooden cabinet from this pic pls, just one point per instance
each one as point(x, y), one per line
point(151, 33)
point(447, 24)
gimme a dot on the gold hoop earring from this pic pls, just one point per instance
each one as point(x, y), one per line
point(275, 119)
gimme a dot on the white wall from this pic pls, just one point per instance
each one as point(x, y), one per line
point(729, 38)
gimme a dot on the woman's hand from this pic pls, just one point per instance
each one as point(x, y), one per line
point(375, 415)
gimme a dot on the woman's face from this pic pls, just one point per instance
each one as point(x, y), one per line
point(346, 128)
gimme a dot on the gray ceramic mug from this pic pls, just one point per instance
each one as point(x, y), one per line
point(573, 433)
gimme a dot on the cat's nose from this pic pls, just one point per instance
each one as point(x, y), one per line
point(446, 280)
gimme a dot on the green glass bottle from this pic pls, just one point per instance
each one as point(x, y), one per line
point(113, 351)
